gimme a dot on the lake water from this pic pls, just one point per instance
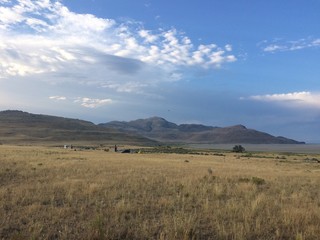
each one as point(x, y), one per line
point(295, 148)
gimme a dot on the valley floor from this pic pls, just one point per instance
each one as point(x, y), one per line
point(284, 148)
point(56, 193)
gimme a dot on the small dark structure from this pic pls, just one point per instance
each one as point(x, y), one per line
point(126, 151)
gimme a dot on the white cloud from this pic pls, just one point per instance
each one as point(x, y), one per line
point(92, 102)
point(37, 33)
point(296, 99)
point(316, 42)
point(228, 47)
point(58, 98)
point(273, 48)
point(278, 45)
point(83, 101)
point(147, 36)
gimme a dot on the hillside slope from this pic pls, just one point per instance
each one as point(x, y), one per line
point(161, 130)
point(17, 127)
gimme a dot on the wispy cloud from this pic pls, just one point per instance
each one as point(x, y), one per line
point(280, 45)
point(296, 99)
point(58, 98)
point(92, 103)
point(84, 101)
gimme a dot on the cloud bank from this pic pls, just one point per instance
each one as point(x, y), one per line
point(44, 40)
point(295, 100)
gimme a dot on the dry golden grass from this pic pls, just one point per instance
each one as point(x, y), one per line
point(52, 193)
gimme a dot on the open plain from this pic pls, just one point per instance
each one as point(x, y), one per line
point(56, 193)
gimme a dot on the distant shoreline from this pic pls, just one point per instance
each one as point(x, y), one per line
point(294, 148)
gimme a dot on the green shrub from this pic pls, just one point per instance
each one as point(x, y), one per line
point(238, 149)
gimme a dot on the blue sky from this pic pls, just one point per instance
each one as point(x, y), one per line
point(217, 63)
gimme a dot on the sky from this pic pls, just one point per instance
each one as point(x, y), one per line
point(212, 62)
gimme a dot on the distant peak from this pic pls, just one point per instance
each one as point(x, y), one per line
point(157, 118)
point(239, 126)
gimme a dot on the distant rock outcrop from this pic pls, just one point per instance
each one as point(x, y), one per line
point(161, 130)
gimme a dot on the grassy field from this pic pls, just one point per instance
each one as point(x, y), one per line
point(55, 193)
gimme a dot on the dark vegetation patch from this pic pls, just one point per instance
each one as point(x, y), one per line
point(251, 155)
point(178, 150)
point(312, 160)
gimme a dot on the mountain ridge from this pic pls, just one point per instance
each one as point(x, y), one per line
point(159, 129)
point(18, 127)
point(23, 127)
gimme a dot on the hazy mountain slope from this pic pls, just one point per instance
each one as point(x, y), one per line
point(26, 128)
point(161, 130)
point(23, 127)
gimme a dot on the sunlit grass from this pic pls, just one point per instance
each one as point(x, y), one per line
point(52, 193)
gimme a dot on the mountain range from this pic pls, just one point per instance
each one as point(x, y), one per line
point(159, 129)
point(27, 128)
point(17, 127)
